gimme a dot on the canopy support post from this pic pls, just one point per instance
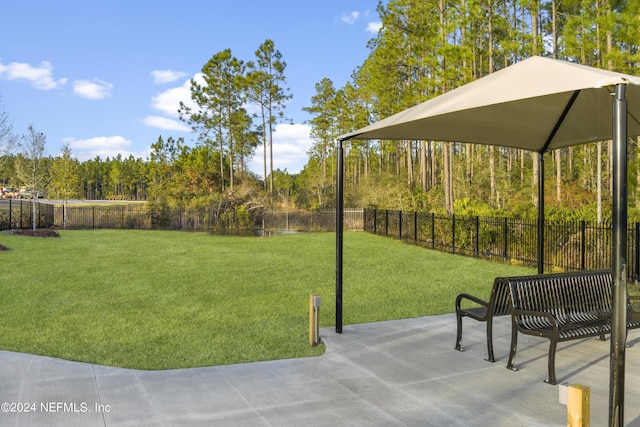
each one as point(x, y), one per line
point(541, 212)
point(619, 258)
point(559, 123)
point(339, 232)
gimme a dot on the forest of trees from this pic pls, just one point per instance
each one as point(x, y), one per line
point(423, 49)
point(428, 47)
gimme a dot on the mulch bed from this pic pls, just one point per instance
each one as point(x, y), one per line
point(44, 232)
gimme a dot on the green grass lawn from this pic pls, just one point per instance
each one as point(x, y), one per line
point(164, 299)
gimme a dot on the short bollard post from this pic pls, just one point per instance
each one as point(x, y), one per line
point(314, 320)
point(578, 402)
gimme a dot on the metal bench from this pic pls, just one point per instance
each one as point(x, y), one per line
point(562, 307)
point(499, 304)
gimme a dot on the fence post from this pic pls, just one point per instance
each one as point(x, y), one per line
point(386, 222)
point(636, 258)
point(375, 221)
point(10, 214)
point(433, 230)
point(477, 248)
point(583, 242)
point(505, 229)
point(364, 220)
point(453, 234)
point(400, 224)
point(415, 227)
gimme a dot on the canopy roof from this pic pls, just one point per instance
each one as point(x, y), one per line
point(536, 104)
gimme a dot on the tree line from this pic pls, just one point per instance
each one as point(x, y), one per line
point(428, 47)
point(176, 174)
point(423, 49)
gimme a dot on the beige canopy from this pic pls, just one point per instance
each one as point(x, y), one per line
point(518, 106)
point(537, 104)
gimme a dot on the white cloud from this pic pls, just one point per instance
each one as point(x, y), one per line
point(168, 102)
point(166, 76)
point(350, 17)
point(165, 123)
point(290, 145)
point(40, 77)
point(102, 146)
point(98, 142)
point(374, 27)
point(94, 89)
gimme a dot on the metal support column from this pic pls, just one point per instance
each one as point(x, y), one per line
point(339, 230)
point(619, 258)
point(541, 213)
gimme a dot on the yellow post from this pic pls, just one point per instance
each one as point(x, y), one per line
point(314, 311)
point(578, 403)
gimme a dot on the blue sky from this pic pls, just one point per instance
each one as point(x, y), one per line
point(106, 77)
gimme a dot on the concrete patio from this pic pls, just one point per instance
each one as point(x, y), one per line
point(395, 373)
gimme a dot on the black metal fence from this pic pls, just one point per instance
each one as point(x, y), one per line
point(568, 245)
point(17, 214)
point(313, 221)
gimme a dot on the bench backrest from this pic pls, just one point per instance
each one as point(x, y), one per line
point(563, 294)
point(500, 298)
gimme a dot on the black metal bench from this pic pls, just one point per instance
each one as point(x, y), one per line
point(499, 304)
point(562, 307)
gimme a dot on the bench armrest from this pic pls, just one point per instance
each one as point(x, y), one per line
point(633, 315)
point(475, 299)
point(553, 322)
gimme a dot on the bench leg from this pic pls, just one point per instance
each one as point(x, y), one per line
point(514, 346)
point(490, 357)
point(459, 334)
point(553, 344)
